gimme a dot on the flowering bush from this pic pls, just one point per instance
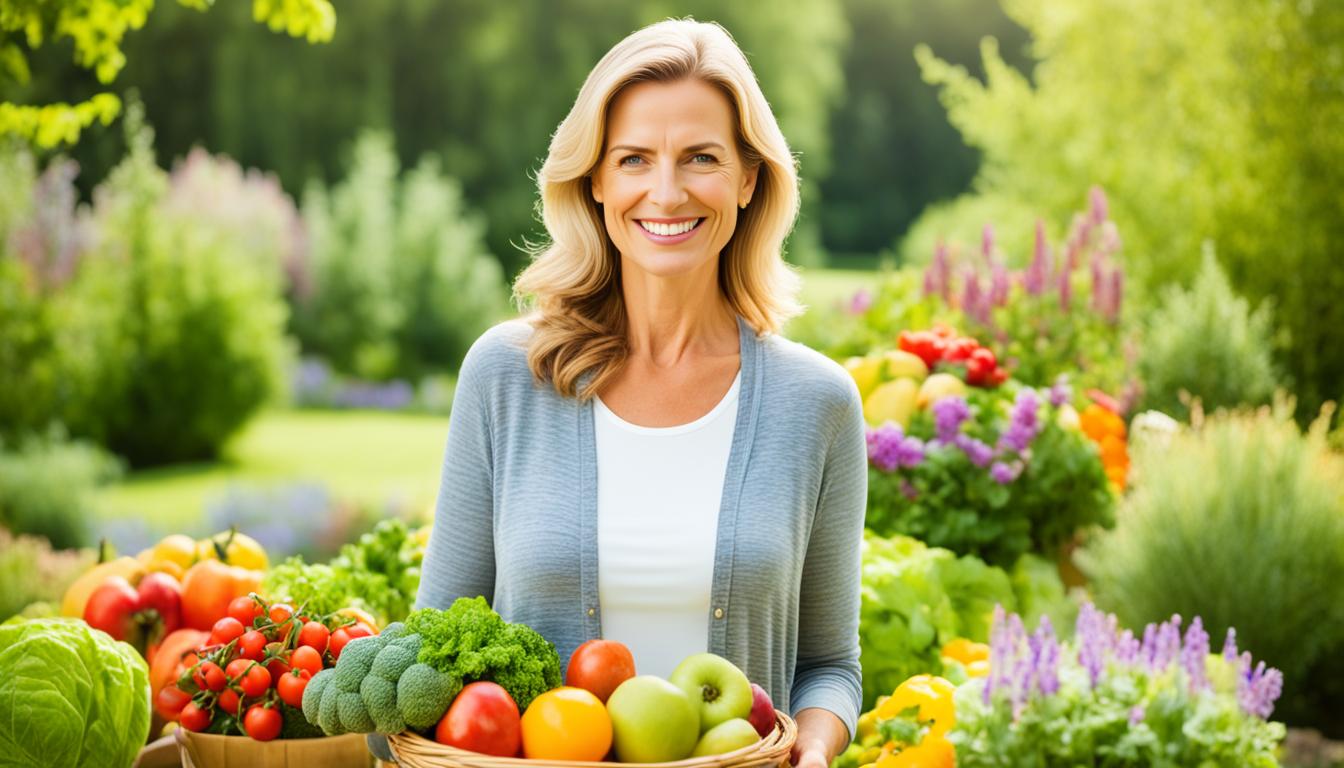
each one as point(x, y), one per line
point(992, 473)
point(1112, 698)
point(316, 385)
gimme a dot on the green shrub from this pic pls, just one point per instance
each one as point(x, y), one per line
point(1207, 342)
point(399, 281)
point(45, 485)
point(1239, 520)
point(31, 572)
point(199, 340)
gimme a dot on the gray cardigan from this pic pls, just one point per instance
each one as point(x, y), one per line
point(516, 517)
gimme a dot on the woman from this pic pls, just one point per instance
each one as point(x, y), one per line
point(641, 458)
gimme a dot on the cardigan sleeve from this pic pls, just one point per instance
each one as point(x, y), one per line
point(827, 672)
point(460, 558)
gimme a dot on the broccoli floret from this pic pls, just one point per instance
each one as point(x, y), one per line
point(392, 632)
point(296, 725)
point(356, 658)
point(380, 699)
point(312, 695)
point(354, 717)
point(423, 695)
point(469, 641)
point(393, 660)
point(327, 716)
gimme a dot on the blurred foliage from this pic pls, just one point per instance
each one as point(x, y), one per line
point(96, 29)
point(1243, 146)
point(1207, 342)
point(150, 322)
point(46, 487)
point(1239, 520)
point(398, 281)
point(31, 571)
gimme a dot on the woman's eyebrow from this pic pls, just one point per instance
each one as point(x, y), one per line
point(692, 148)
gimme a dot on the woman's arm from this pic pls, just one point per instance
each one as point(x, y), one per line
point(827, 688)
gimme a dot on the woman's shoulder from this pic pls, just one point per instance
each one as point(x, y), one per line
point(794, 370)
point(499, 354)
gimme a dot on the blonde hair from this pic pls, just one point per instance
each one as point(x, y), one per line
point(573, 284)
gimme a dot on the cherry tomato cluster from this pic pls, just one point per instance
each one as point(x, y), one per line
point(257, 657)
point(942, 346)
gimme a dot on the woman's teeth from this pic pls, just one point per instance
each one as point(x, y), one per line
point(670, 229)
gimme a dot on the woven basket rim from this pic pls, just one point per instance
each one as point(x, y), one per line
point(774, 747)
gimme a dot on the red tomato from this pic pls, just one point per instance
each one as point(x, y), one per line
point(170, 701)
point(255, 682)
point(245, 609)
point(315, 635)
point(338, 640)
point(280, 613)
point(598, 666)
point(252, 645)
point(229, 701)
point(112, 608)
point(194, 718)
point(262, 723)
point(306, 658)
point(290, 687)
point(483, 718)
point(209, 677)
point(226, 630)
point(360, 630)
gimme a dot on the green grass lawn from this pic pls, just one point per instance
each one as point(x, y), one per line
point(360, 456)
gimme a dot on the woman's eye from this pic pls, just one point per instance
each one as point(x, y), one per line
point(627, 160)
point(707, 159)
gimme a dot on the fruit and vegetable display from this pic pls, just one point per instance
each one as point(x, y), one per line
point(467, 679)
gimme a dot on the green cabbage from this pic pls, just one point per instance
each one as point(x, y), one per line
point(70, 696)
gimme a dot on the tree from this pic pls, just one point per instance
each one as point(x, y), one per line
point(1210, 120)
point(97, 28)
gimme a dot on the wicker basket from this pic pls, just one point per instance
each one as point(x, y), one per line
point(416, 751)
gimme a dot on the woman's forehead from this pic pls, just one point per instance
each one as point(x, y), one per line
point(684, 113)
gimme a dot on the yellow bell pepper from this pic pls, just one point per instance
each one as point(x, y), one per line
point(932, 752)
point(933, 698)
point(965, 651)
point(239, 549)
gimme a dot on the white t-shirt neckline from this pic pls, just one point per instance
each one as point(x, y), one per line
point(729, 398)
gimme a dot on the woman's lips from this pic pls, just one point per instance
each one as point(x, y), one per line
point(670, 239)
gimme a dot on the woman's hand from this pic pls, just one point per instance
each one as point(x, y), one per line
point(821, 736)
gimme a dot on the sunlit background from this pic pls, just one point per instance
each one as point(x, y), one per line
point(242, 299)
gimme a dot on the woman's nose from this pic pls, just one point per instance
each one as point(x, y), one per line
point(668, 191)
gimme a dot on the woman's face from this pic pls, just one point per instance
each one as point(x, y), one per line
point(670, 179)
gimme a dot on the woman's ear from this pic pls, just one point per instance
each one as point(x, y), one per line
point(596, 187)
point(748, 185)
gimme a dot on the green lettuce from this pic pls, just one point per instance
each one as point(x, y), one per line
point(71, 696)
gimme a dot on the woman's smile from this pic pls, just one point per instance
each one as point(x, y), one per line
point(670, 231)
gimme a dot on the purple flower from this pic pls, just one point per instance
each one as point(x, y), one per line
point(1000, 285)
point(1230, 645)
point(1193, 655)
point(978, 452)
point(890, 448)
point(948, 415)
point(1090, 635)
point(860, 301)
point(1065, 290)
point(973, 299)
point(1258, 689)
point(909, 490)
point(1046, 654)
point(1136, 715)
point(1038, 271)
point(1061, 392)
point(1097, 212)
point(1023, 425)
point(938, 277)
point(1002, 473)
point(987, 243)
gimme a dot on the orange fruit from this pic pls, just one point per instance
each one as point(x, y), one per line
point(566, 724)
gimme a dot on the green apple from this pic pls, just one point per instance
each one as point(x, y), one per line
point(719, 689)
point(652, 721)
point(726, 737)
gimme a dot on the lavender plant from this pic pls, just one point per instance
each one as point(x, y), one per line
point(993, 474)
point(1113, 698)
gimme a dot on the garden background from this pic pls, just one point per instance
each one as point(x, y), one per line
point(240, 263)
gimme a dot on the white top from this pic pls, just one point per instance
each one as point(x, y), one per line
point(658, 496)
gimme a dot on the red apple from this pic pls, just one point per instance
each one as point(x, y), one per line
point(483, 718)
point(762, 716)
point(598, 666)
point(161, 594)
point(112, 608)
